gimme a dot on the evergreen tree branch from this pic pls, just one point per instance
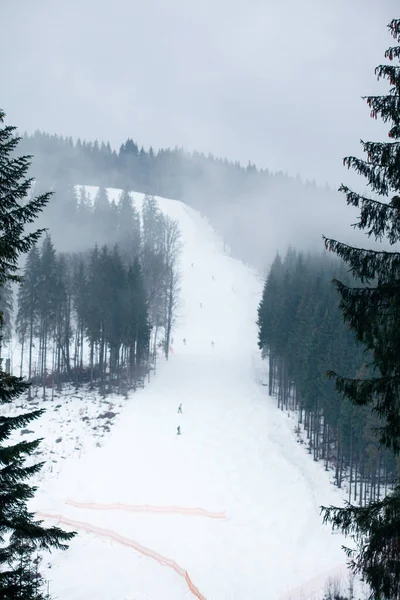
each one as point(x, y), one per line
point(366, 264)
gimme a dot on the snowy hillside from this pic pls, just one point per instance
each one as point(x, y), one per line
point(229, 510)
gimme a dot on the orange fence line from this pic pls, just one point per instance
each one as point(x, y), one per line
point(163, 560)
point(148, 508)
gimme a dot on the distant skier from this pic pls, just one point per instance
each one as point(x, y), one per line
point(180, 408)
point(212, 344)
point(213, 278)
point(201, 305)
point(178, 430)
point(184, 341)
point(192, 265)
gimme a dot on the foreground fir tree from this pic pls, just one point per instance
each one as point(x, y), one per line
point(21, 535)
point(373, 312)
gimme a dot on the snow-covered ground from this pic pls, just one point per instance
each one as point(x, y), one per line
point(74, 422)
point(229, 510)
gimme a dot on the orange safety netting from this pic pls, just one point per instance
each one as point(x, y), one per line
point(163, 560)
point(148, 508)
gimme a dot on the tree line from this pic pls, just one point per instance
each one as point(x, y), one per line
point(169, 172)
point(99, 316)
point(360, 414)
point(22, 535)
point(302, 334)
point(238, 200)
point(112, 302)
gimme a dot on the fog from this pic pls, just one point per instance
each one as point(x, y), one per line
point(278, 83)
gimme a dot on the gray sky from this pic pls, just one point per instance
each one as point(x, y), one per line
point(277, 82)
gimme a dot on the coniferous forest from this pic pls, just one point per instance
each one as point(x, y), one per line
point(99, 297)
point(98, 316)
point(302, 334)
point(22, 535)
point(237, 200)
point(349, 333)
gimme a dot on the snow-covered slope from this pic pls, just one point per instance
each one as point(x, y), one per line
point(229, 510)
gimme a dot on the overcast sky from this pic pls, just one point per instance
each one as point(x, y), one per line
point(277, 82)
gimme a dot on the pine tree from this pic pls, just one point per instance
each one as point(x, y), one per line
point(6, 308)
point(20, 533)
point(171, 250)
point(101, 216)
point(79, 293)
point(152, 261)
point(128, 228)
point(28, 306)
point(114, 288)
point(47, 302)
point(90, 306)
point(137, 329)
point(63, 318)
point(373, 312)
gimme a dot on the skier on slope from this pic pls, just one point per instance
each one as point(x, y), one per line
point(212, 344)
point(180, 408)
point(184, 341)
point(178, 430)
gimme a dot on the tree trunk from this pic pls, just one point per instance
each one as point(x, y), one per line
point(22, 356)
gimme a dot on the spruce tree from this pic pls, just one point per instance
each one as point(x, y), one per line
point(372, 311)
point(101, 216)
point(28, 305)
point(20, 533)
point(6, 309)
point(129, 235)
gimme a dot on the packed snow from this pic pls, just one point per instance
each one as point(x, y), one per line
point(229, 509)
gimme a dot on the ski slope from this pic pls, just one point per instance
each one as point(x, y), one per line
point(229, 510)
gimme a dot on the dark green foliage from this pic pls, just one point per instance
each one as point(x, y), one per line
point(6, 309)
point(137, 327)
point(375, 529)
point(28, 305)
point(373, 312)
point(66, 299)
point(15, 212)
point(302, 332)
point(20, 533)
point(25, 581)
point(128, 227)
point(95, 296)
point(153, 259)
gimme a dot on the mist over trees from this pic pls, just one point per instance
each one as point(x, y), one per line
point(371, 309)
point(302, 334)
point(350, 334)
point(94, 312)
point(256, 211)
point(98, 316)
point(21, 534)
point(69, 301)
point(84, 317)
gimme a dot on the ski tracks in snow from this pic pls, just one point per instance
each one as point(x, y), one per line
point(237, 452)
